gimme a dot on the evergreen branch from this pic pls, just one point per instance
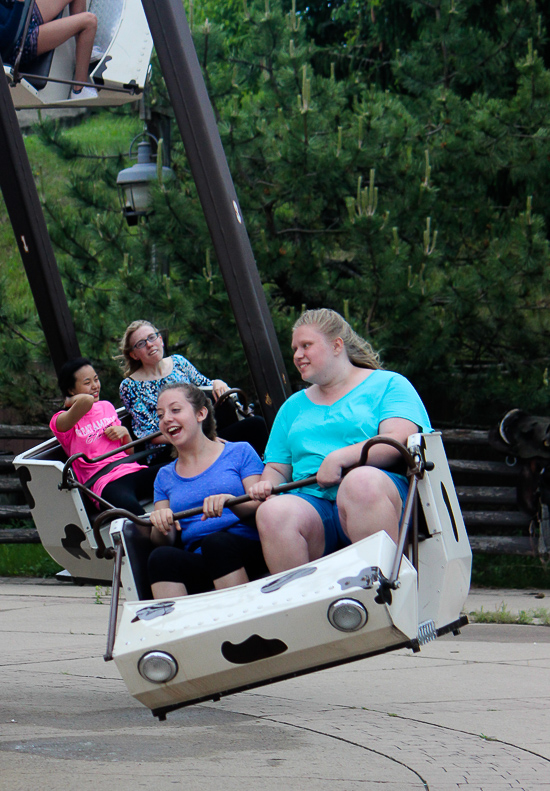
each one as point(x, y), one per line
point(309, 230)
point(507, 43)
point(435, 131)
point(431, 6)
point(251, 65)
point(82, 285)
point(189, 230)
point(18, 333)
point(99, 156)
point(70, 238)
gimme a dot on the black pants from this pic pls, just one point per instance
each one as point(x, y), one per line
point(126, 492)
point(222, 553)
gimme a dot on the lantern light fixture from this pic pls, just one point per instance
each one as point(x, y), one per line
point(134, 183)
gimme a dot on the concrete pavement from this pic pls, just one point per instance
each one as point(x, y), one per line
point(471, 712)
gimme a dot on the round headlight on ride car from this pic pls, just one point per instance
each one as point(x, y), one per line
point(157, 667)
point(347, 615)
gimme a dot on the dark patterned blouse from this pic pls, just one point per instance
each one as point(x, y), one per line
point(140, 398)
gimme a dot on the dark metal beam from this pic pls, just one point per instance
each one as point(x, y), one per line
point(31, 234)
point(197, 125)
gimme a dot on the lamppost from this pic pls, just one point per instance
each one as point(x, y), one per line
point(134, 183)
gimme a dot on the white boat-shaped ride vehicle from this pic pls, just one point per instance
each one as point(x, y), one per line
point(366, 599)
point(119, 66)
point(369, 598)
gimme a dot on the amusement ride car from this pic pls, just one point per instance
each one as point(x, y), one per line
point(119, 66)
point(371, 597)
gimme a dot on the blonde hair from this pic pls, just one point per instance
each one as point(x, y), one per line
point(127, 363)
point(332, 325)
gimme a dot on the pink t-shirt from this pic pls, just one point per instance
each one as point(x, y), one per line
point(88, 436)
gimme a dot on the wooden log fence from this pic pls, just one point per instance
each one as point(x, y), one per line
point(12, 500)
point(485, 484)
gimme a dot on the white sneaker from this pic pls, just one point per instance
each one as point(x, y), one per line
point(85, 94)
point(97, 53)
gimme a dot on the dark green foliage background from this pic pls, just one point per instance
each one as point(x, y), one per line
point(391, 159)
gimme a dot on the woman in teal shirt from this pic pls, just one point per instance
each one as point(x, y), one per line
point(322, 430)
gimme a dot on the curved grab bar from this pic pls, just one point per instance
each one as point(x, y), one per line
point(416, 469)
point(415, 465)
point(121, 513)
point(67, 468)
point(382, 440)
point(242, 404)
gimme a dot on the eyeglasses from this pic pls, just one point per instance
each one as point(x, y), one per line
point(144, 341)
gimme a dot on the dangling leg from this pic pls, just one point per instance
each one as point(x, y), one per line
point(54, 32)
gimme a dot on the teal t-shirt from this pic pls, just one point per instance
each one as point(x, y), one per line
point(304, 433)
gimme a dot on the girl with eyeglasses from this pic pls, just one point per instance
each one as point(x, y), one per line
point(147, 371)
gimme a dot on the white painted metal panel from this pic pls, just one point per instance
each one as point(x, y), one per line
point(196, 630)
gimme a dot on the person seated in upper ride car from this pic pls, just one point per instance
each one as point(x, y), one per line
point(217, 549)
point(147, 371)
point(92, 427)
point(324, 428)
point(46, 32)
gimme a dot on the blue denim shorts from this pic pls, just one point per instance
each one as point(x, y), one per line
point(31, 41)
point(335, 538)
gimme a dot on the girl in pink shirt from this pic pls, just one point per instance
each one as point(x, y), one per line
point(90, 426)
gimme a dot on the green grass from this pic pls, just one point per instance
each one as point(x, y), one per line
point(104, 133)
point(26, 560)
point(510, 571)
point(539, 616)
point(107, 132)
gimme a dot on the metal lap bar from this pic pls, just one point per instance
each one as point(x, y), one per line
point(69, 483)
point(416, 468)
point(30, 9)
point(119, 513)
point(130, 90)
point(115, 592)
point(393, 582)
point(241, 399)
point(74, 484)
point(414, 550)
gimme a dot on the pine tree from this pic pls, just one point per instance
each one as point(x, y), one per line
point(391, 163)
point(418, 210)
